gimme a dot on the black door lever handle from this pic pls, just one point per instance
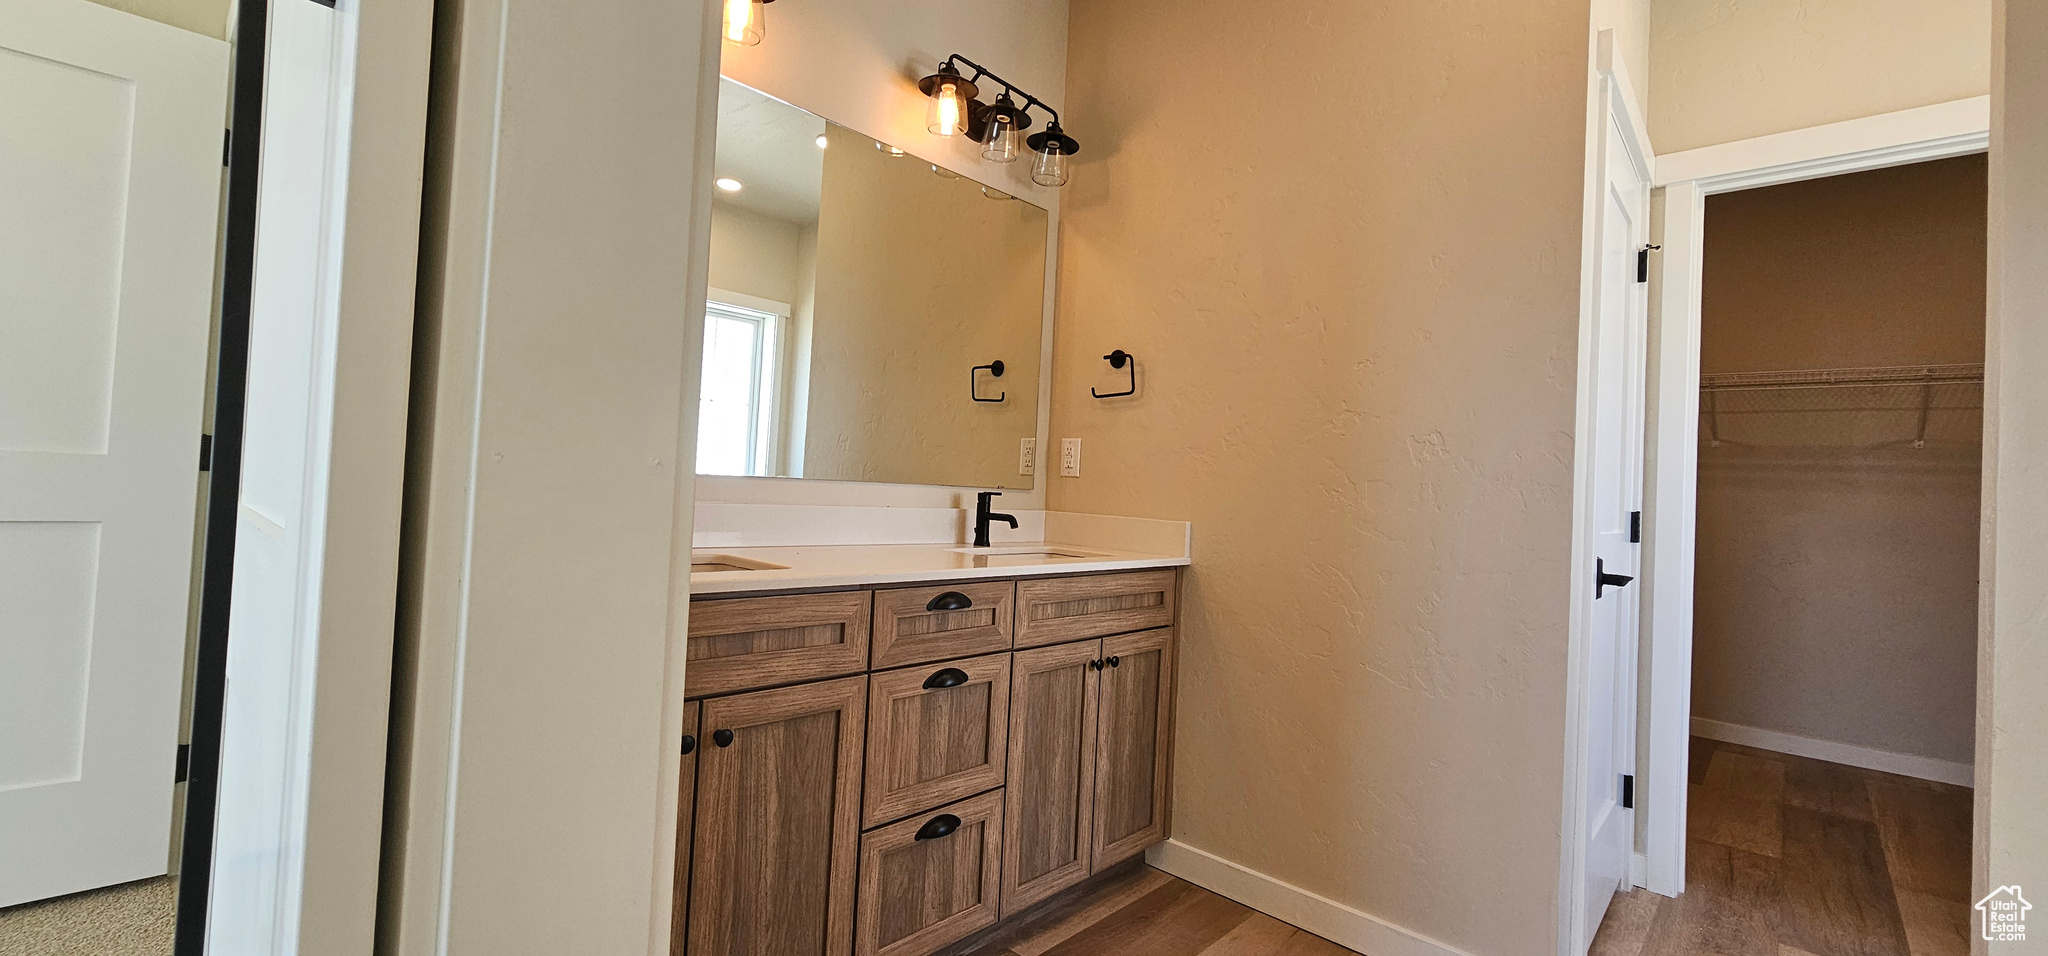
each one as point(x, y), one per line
point(1603, 580)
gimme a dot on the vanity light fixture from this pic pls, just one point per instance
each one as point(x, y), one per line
point(998, 127)
point(890, 151)
point(729, 184)
point(950, 93)
point(746, 21)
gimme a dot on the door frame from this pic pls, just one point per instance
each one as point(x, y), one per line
point(1941, 131)
point(1611, 101)
point(368, 364)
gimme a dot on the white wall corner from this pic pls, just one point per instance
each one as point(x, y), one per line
point(1325, 917)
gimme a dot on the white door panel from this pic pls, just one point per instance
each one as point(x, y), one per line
point(1617, 379)
point(109, 204)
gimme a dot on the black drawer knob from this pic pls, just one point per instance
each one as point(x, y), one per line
point(1094, 665)
point(942, 825)
point(948, 677)
point(722, 737)
point(1114, 660)
point(689, 744)
point(950, 601)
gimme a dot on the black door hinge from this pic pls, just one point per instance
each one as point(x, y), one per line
point(1643, 262)
point(227, 147)
point(1628, 791)
point(205, 452)
point(1635, 527)
point(184, 763)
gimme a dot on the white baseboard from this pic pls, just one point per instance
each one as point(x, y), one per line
point(1288, 903)
point(1905, 765)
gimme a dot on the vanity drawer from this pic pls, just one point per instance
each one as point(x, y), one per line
point(1052, 610)
point(930, 880)
point(744, 643)
point(914, 625)
point(936, 733)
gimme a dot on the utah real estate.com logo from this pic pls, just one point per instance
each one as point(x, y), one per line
point(2003, 915)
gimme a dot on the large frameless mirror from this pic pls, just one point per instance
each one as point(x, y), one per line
point(871, 316)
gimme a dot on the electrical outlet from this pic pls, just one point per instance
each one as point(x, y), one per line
point(1070, 457)
point(1027, 456)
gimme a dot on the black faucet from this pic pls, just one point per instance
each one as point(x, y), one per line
point(982, 516)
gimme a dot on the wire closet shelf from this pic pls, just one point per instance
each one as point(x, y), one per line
point(1927, 378)
point(1897, 375)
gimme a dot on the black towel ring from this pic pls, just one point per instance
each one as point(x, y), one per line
point(995, 368)
point(1118, 359)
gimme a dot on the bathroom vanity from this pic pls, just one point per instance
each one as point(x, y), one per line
point(888, 768)
point(889, 748)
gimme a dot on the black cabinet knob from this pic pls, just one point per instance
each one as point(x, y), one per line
point(1114, 660)
point(950, 601)
point(949, 677)
point(722, 737)
point(689, 744)
point(1095, 665)
point(942, 825)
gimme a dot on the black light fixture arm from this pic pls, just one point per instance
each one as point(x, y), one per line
point(956, 61)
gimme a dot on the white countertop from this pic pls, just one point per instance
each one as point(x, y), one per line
point(861, 565)
point(840, 547)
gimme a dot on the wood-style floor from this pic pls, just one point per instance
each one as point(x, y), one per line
point(1787, 856)
point(1144, 912)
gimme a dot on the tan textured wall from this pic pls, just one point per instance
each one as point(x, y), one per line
point(205, 17)
point(2012, 715)
point(1723, 70)
point(919, 279)
point(1344, 243)
point(1836, 588)
point(755, 254)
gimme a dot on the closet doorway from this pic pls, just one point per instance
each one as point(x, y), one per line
point(1834, 597)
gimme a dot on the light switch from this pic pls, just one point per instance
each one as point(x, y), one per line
point(1070, 457)
point(1027, 456)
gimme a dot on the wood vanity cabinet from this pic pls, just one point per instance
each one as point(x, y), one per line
point(777, 827)
point(1090, 733)
point(1008, 740)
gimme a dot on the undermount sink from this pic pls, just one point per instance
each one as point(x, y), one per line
point(700, 561)
point(1025, 555)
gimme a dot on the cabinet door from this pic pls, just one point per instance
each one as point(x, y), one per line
point(930, 880)
point(686, 805)
point(778, 821)
point(936, 733)
point(1051, 788)
point(1133, 741)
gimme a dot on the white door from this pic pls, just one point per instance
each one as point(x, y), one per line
point(110, 164)
point(1620, 324)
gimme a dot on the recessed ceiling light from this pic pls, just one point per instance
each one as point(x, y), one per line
point(822, 141)
point(730, 184)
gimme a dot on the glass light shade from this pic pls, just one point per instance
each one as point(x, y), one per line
point(947, 114)
point(1002, 141)
point(1050, 168)
point(746, 21)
